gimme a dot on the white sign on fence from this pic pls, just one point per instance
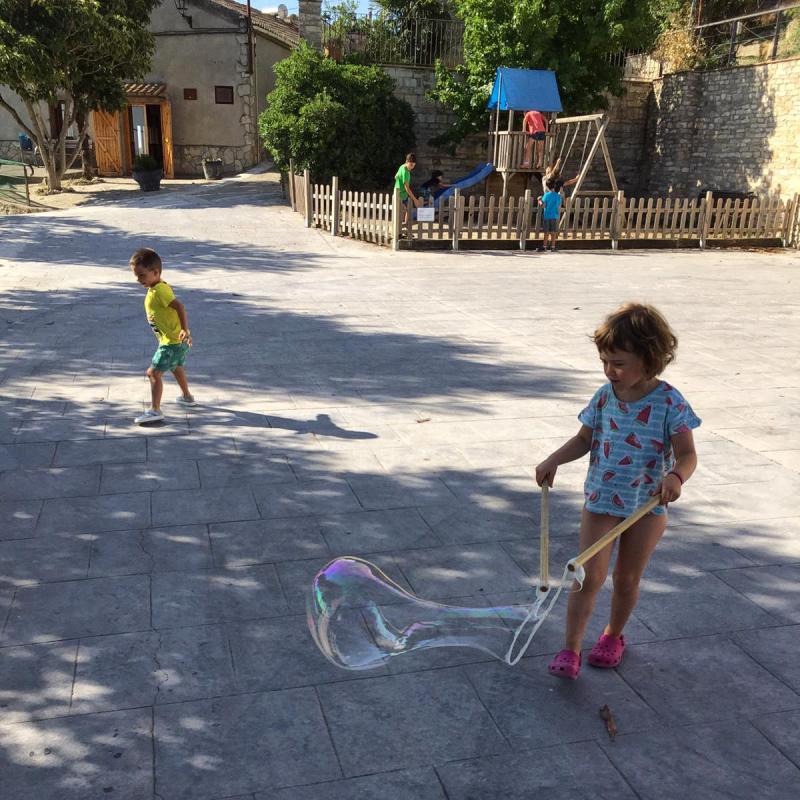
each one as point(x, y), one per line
point(426, 214)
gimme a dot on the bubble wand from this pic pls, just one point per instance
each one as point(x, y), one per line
point(359, 617)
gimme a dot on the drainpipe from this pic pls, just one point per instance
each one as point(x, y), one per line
point(249, 39)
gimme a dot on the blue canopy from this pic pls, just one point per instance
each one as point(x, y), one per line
point(525, 89)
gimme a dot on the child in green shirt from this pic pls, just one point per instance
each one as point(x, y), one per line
point(167, 317)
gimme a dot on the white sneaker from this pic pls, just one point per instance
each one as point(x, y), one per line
point(151, 415)
point(186, 401)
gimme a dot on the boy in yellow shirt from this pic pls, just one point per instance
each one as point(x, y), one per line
point(167, 317)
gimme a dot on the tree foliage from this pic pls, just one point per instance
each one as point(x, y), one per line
point(336, 119)
point(75, 52)
point(572, 37)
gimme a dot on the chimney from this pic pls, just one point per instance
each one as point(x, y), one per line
point(310, 22)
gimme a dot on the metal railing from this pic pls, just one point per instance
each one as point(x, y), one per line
point(751, 38)
point(384, 39)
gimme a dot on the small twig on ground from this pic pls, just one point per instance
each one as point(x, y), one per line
point(424, 419)
point(608, 718)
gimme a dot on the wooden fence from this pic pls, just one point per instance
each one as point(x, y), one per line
point(381, 218)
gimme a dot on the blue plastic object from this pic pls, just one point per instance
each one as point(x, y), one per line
point(478, 174)
point(525, 89)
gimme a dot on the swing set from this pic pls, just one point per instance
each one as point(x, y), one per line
point(520, 90)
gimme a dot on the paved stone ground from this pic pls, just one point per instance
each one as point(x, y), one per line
point(152, 582)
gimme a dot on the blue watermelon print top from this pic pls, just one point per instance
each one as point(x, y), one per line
point(631, 448)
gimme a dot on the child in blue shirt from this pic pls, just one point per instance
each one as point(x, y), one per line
point(637, 432)
point(551, 203)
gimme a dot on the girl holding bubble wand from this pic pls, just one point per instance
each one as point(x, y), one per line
point(637, 430)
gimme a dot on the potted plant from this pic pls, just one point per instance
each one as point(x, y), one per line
point(147, 173)
point(212, 167)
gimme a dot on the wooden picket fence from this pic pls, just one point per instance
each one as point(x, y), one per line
point(381, 218)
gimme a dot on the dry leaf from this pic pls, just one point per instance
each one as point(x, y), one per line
point(424, 419)
point(608, 718)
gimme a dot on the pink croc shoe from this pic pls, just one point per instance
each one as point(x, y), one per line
point(567, 664)
point(607, 652)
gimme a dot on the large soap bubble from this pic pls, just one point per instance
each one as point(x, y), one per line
point(360, 618)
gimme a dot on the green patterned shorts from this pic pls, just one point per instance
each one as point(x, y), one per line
point(168, 357)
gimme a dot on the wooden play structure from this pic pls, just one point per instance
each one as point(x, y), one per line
point(572, 142)
point(503, 218)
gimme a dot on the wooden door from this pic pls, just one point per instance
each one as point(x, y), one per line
point(166, 139)
point(107, 144)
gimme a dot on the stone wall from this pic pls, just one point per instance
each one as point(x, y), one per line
point(9, 149)
point(626, 136)
point(735, 129)
point(412, 85)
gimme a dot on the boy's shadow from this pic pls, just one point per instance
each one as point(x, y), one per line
point(322, 425)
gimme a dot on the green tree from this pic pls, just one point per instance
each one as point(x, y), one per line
point(572, 37)
point(71, 52)
point(336, 119)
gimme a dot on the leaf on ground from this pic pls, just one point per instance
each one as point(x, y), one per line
point(608, 718)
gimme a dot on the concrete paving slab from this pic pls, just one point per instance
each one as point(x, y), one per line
point(146, 668)
point(208, 596)
point(18, 518)
point(100, 451)
point(166, 549)
point(704, 679)
point(405, 784)
point(51, 611)
point(44, 559)
point(765, 541)
point(245, 471)
point(39, 484)
point(726, 760)
point(36, 681)
point(327, 496)
point(280, 654)
point(24, 456)
point(216, 748)
point(676, 606)
point(398, 491)
point(113, 512)
point(149, 477)
point(192, 447)
point(380, 724)
point(60, 429)
point(556, 711)
point(238, 544)
point(98, 755)
point(463, 524)
point(460, 570)
point(775, 589)
point(775, 649)
point(781, 731)
point(575, 769)
point(376, 531)
point(203, 505)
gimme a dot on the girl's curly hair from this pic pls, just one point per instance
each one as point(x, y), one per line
point(642, 330)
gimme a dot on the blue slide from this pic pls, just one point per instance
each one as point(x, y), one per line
point(478, 174)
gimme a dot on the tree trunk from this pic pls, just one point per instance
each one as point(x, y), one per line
point(82, 121)
point(46, 145)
